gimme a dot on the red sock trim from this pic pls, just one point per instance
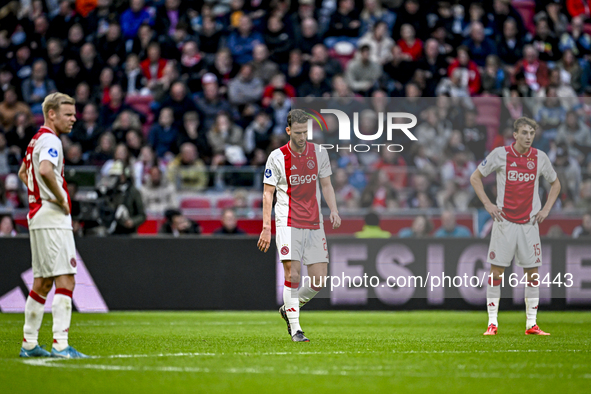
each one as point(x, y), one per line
point(37, 297)
point(532, 283)
point(292, 285)
point(65, 292)
point(315, 288)
point(495, 282)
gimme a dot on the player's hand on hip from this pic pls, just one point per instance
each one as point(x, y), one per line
point(335, 219)
point(264, 240)
point(495, 212)
point(540, 216)
point(63, 205)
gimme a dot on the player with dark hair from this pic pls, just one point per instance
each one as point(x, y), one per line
point(293, 171)
point(517, 213)
point(50, 224)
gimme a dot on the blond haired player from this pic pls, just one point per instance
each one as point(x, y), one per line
point(517, 214)
point(294, 171)
point(50, 224)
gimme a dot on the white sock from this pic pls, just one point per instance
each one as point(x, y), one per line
point(306, 293)
point(62, 315)
point(34, 309)
point(493, 296)
point(532, 299)
point(292, 307)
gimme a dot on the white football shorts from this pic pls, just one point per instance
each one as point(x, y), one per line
point(510, 239)
point(53, 252)
point(301, 244)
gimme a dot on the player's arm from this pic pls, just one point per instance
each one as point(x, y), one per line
point(552, 196)
point(48, 175)
point(492, 209)
point(329, 196)
point(22, 173)
point(265, 238)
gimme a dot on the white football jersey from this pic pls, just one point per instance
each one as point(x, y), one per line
point(295, 177)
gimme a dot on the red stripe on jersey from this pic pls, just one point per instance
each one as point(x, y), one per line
point(301, 171)
point(35, 202)
point(520, 181)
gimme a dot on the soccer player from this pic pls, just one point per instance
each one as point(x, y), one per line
point(294, 170)
point(50, 224)
point(516, 216)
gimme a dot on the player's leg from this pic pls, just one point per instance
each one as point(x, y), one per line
point(500, 253)
point(529, 256)
point(315, 258)
point(35, 304)
point(291, 307)
point(34, 310)
point(317, 275)
point(61, 309)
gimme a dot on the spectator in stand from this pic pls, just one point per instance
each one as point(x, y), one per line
point(504, 10)
point(130, 212)
point(310, 36)
point(277, 82)
point(104, 150)
point(73, 156)
point(69, 78)
point(584, 201)
point(7, 159)
point(10, 107)
point(421, 227)
point(245, 88)
point(470, 77)
point(187, 171)
point(534, 70)
point(153, 66)
point(546, 42)
point(22, 62)
point(177, 224)
point(133, 18)
point(120, 157)
point(434, 66)
point(568, 170)
point(7, 226)
point(576, 135)
point(584, 230)
point(379, 193)
point(379, 42)
point(222, 134)
point(411, 47)
point(362, 74)
point(550, 114)
point(229, 224)
point(411, 13)
point(212, 102)
point(262, 67)
point(474, 135)
point(224, 69)
point(493, 77)
point(90, 64)
point(65, 18)
point(158, 195)
point(371, 228)
point(373, 13)
point(242, 41)
point(20, 135)
point(510, 44)
point(316, 85)
point(37, 87)
point(455, 178)
point(449, 227)
point(14, 193)
point(192, 131)
point(258, 134)
point(163, 135)
point(179, 101)
point(210, 37)
point(344, 24)
point(578, 40)
point(133, 81)
point(394, 165)
point(111, 46)
point(479, 46)
point(398, 72)
point(145, 161)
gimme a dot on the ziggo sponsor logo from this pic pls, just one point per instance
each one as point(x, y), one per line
point(302, 179)
point(520, 176)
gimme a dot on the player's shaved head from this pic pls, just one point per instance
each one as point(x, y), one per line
point(54, 101)
point(297, 116)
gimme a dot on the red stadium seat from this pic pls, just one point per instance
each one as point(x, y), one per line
point(224, 202)
point(196, 203)
point(527, 10)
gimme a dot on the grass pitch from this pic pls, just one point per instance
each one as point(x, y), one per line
point(349, 352)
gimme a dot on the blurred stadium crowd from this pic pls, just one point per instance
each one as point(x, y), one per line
point(191, 96)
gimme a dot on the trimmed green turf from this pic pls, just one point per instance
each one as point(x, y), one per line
point(350, 352)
